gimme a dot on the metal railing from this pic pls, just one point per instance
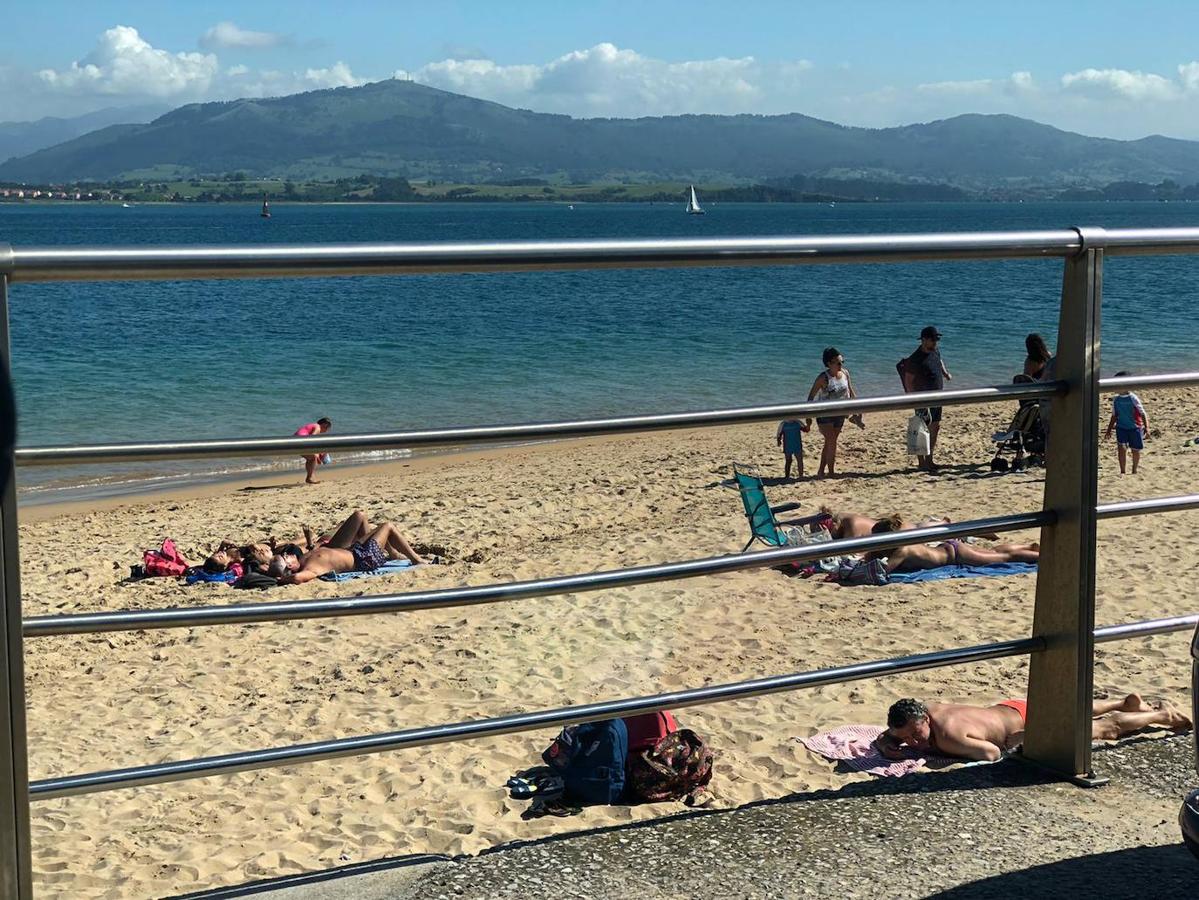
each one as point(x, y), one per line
point(1063, 634)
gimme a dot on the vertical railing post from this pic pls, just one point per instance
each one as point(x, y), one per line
point(16, 880)
point(1058, 734)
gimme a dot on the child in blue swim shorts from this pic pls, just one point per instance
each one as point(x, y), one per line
point(1131, 426)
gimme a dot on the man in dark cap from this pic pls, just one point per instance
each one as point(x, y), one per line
point(924, 370)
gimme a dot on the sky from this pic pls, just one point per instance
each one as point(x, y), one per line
point(1108, 69)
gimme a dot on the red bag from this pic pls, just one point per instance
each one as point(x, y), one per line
point(165, 561)
point(646, 730)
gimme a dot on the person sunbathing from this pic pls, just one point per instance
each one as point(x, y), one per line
point(852, 525)
point(914, 557)
point(383, 543)
point(256, 556)
point(916, 729)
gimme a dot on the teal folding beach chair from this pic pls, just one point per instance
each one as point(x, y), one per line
point(763, 526)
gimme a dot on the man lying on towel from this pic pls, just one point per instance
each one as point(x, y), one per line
point(365, 554)
point(984, 733)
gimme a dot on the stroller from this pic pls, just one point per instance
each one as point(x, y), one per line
point(1024, 437)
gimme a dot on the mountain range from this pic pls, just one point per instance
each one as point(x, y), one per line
point(402, 128)
point(21, 138)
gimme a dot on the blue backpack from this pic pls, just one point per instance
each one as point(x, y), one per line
point(591, 758)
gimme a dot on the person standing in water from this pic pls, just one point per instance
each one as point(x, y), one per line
point(320, 426)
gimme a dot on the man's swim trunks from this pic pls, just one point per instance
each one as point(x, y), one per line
point(368, 555)
point(1020, 706)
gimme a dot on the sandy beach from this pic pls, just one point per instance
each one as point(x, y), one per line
point(107, 701)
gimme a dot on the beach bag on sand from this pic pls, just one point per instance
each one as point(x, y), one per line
point(645, 731)
point(591, 758)
point(676, 768)
point(862, 571)
point(165, 561)
point(800, 537)
point(918, 436)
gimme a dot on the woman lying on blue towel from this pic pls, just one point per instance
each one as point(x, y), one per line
point(915, 557)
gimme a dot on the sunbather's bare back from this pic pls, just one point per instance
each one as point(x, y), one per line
point(915, 557)
point(966, 730)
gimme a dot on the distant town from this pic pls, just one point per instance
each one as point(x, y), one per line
point(237, 187)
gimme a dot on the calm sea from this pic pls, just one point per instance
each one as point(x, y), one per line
point(117, 361)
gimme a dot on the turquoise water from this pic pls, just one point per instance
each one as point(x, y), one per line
point(126, 361)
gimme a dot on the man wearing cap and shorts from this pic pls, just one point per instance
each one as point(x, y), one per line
point(924, 370)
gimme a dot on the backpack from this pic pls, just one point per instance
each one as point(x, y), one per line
point(676, 768)
point(646, 730)
point(591, 759)
point(165, 561)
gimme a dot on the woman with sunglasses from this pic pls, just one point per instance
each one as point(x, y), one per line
point(832, 384)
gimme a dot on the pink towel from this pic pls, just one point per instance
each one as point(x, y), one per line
point(853, 745)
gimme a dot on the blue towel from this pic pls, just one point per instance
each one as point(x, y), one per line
point(391, 567)
point(942, 572)
point(218, 577)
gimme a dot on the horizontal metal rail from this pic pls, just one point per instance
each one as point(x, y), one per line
point(1147, 628)
point(1162, 380)
point(1147, 507)
point(280, 611)
point(94, 782)
point(483, 434)
point(31, 264)
point(249, 760)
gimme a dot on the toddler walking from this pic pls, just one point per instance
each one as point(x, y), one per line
point(1131, 425)
point(790, 438)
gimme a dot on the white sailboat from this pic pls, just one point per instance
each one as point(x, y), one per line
point(693, 208)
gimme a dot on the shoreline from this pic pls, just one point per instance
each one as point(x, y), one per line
point(41, 509)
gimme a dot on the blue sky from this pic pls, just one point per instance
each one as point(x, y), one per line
point(1118, 70)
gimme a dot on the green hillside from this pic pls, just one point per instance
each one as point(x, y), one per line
point(406, 129)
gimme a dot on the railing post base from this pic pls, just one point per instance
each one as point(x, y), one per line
point(1090, 780)
point(1085, 780)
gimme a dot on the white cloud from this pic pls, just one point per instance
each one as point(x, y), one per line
point(124, 63)
point(977, 86)
point(1022, 81)
point(226, 35)
point(1188, 74)
point(337, 75)
point(1121, 83)
point(1016, 82)
point(605, 80)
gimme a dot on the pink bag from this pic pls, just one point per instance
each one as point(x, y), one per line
point(165, 561)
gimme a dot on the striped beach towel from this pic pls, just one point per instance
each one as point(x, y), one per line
point(854, 746)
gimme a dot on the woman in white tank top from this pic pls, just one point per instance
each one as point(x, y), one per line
point(832, 384)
